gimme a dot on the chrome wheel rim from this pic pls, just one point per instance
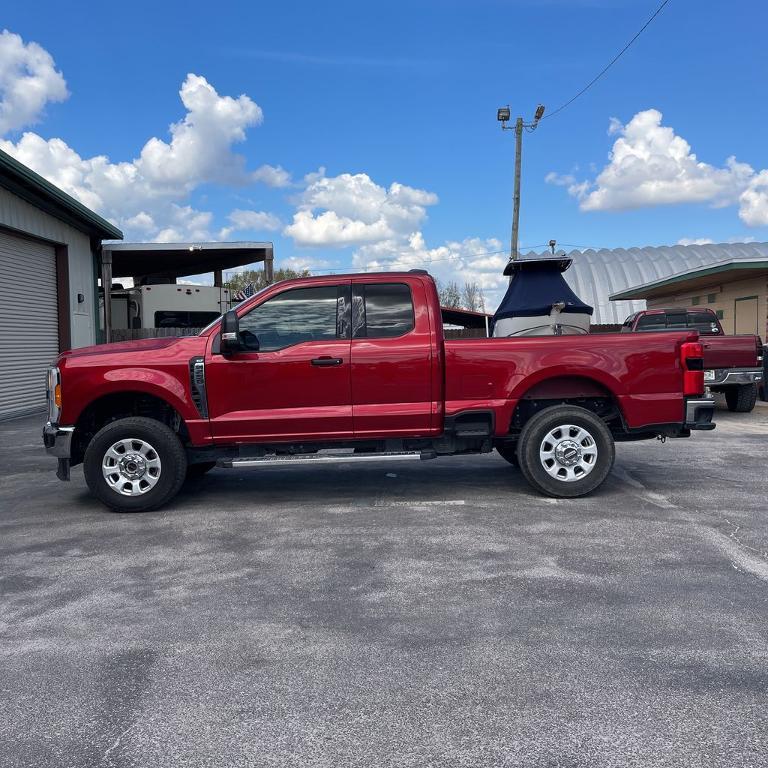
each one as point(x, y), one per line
point(131, 467)
point(568, 453)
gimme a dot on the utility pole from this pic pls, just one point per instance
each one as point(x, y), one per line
point(516, 201)
point(503, 115)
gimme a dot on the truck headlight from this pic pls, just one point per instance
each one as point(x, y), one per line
point(53, 392)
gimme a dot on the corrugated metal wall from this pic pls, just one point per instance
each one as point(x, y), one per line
point(29, 328)
point(16, 213)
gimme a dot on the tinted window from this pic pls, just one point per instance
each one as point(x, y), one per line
point(703, 322)
point(386, 310)
point(292, 317)
point(627, 324)
point(652, 323)
point(677, 320)
point(182, 319)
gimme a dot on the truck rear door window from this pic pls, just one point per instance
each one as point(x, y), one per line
point(293, 317)
point(384, 310)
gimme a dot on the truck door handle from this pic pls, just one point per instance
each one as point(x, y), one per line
point(326, 361)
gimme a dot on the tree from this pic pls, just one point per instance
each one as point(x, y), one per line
point(450, 295)
point(472, 297)
point(239, 280)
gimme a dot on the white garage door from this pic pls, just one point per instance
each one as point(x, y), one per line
point(29, 328)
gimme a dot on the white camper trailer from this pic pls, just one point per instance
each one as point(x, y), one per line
point(539, 302)
point(168, 306)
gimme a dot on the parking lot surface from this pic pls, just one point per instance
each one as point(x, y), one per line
point(412, 614)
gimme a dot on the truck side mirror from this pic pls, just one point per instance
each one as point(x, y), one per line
point(230, 333)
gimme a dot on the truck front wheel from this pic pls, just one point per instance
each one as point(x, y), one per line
point(565, 451)
point(741, 399)
point(135, 464)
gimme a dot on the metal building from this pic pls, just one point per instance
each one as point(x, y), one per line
point(49, 246)
point(597, 275)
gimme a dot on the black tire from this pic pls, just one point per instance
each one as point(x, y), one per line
point(741, 399)
point(195, 471)
point(164, 443)
point(508, 452)
point(536, 435)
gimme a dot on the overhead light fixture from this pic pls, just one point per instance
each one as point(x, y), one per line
point(539, 113)
point(502, 114)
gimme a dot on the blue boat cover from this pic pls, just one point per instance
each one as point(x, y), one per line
point(535, 287)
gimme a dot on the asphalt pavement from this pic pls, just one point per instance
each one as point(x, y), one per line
point(433, 613)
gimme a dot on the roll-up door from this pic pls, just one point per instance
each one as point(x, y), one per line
point(29, 326)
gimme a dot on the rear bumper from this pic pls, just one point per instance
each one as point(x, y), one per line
point(731, 376)
point(699, 413)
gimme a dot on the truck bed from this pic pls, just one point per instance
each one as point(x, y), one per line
point(643, 371)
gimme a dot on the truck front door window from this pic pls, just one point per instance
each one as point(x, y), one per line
point(293, 317)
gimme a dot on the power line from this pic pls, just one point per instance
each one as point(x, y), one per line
point(609, 65)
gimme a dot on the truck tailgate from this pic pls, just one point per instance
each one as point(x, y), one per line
point(730, 351)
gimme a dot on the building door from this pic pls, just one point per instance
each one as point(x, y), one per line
point(745, 315)
point(29, 323)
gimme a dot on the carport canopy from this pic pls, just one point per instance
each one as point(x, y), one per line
point(180, 259)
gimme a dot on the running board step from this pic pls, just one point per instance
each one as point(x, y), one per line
point(326, 458)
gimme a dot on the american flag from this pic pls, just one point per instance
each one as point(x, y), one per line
point(244, 293)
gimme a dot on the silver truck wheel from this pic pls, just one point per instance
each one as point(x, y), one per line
point(135, 464)
point(568, 453)
point(565, 451)
point(131, 467)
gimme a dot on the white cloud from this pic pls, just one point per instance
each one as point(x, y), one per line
point(28, 81)
point(694, 241)
point(351, 209)
point(384, 225)
point(651, 165)
point(753, 202)
point(200, 149)
point(246, 221)
point(473, 260)
point(146, 196)
point(272, 176)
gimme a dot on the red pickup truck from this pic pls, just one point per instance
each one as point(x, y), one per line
point(733, 365)
point(353, 368)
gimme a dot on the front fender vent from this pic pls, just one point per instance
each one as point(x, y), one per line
point(197, 385)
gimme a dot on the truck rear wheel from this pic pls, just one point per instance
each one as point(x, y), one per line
point(741, 399)
point(565, 451)
point(135, 464)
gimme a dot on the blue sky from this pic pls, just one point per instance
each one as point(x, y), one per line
point(367, 133)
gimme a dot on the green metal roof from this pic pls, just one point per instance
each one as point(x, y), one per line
point(733, 265)
point(33, 188)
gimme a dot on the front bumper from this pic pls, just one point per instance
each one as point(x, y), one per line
point(729, 376)
point(699, 413)
point(58, 440)
point(58, 443)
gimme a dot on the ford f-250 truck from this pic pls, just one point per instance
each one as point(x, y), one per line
point(733, 365)
point(355, 368)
